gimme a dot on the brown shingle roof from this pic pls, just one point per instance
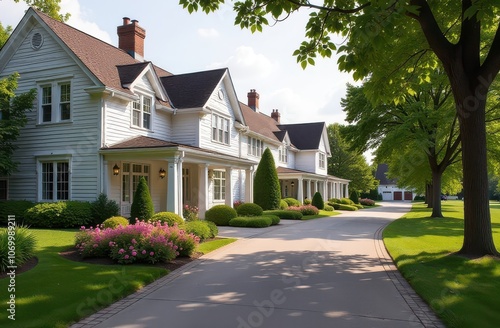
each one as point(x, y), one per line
point(260, 123)
point(98, 56)
point(142, 142)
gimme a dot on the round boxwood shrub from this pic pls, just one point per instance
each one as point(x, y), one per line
point(345, 207)
point(334, 200)
point(198, 228)
point(275, 219)
point(221, 214)
point(142, 207)
point(317, 201)
point(251, 221)
point(283, 205)
point(346, 201)
point(285, 215)
point(328, 208)
point(292, 201)
point(169, 218)
point(354, 197)
point(103, 208)
point(249, 209)
point(68, 214)
point(307, 201)
point(114, 222)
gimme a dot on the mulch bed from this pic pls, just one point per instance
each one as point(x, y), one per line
point(73, 255)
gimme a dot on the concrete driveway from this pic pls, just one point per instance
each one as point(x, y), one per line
point(330, 272)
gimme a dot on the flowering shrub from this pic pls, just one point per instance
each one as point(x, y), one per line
point(305, 209)
point(141, 242)
point(237, 203)
point(367, 202)
point(190, 213)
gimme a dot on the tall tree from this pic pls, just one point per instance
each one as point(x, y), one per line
point(4, 34)
point(348, 164)
point(450, 29)
point(267, 191)
point(12, 118)
point(49, 7)
point(421, 132)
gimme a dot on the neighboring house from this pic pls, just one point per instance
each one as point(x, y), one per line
point(104, 117)
point(388, 188)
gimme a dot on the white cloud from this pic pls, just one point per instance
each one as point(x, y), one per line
point(208, 33)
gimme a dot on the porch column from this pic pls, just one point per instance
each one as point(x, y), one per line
point(173, 194)
point(105, 179)
point(347, 190)
point(203, 189)
point(325, 190)
point(300, 190)
point(309, 189)
point(229, 187)
point(249, 185)
point(337, 190)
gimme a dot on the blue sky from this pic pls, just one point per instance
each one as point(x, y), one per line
point(182, 43)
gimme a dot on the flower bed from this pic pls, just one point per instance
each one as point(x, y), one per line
point(141, 242)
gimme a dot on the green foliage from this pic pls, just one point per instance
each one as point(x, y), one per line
point(169, 218)
point(103, 208)
point(221, 214)
point(305, 209)
point(142, 207)
point(49, 7)
point(292, 202)
point(214, 231)
point(68, 214)
point(358, 206)
point(275, 219)
point(335, 206)
point(114, 222)
point(354, 197)
point(249, 209)
point(14, 207)
point(13, 112)
point(285, 214)
point(346, 201)
point(307, 201)
point(24, 242)
point(199, 228)
point(267, 192)
point(317, 201)
point(251, 221)
point(4, 34)
point(344, 207)
point(334, 200)
point(328, 208)
point(283, 205)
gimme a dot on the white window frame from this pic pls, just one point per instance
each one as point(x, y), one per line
point(56, 101)
point(255, 147)
point(143, 110)
point(54, 162)
point(220, 129)
point(219, 181)
point(322, 161)
point(283, 154)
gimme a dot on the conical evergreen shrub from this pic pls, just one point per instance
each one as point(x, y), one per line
point(354, 197)
point(142, 206)
point(317, 201)
point(266, 191)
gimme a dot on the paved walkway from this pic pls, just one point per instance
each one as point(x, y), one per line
point(331, 272)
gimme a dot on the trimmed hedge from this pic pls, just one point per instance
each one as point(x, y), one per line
point(275, 219)
point(103, 208)
point(14, 207)
point(345, 207)
point(221, 214)
point(328, 208)
point(366, 202)
point(283, 205)
point(169, 218)
point(346, 201)
point(251, 221)
point(114, 222)
point(199, 228)
point(354, 197)
point(359, 206)
point(285, 215)
point(249, 209)
point(292, 201)
point(334, 200)
point(214, 231)
point(317, 201)
point(68, 214)
point(307, 201)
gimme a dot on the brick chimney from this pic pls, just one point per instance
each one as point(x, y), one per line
point(276, 115)
point(131, 38)
point(253, 100)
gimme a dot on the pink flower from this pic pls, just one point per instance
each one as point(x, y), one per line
point(152, 253)
point(134, 241)
point(134, 253)
point(144, 252)
point(126, 257)
point(121, 251)
point(131, 247)
point(95, 245)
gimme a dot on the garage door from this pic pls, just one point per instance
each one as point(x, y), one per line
point(398, 195)
point(408, 195)
point(387, 195)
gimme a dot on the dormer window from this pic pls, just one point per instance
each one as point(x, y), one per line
point(220, 129)
point(322, 161)
point(283, 154)
point(141, 112)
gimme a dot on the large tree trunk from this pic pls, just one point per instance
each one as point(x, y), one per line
point(436, 195)
point(478, 239)
point(429, 196)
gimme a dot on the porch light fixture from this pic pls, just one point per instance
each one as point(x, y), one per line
point(163, 173)
point(293, 183)
point(116, 170)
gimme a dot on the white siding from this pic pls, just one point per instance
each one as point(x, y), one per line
point(306, 161)
point(186, 128)
point(78, 140)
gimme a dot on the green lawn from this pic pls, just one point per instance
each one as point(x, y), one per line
point(463, 292)
point(59, 291)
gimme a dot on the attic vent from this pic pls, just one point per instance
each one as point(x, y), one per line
point(37, 41)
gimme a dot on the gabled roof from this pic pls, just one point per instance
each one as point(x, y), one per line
point(192, 90)
point(129, 73)
point(304, 136)
point(260, 123)
point(381, 175)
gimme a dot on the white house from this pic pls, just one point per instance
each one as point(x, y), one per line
point(388, 188)
point(105, 117)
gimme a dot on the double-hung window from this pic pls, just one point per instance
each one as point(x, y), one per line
point(220, 129)
point(55, 102)
point(219, 185)
point(322, 161)
point(141, 112)
point(283, 154)
point(255, 147)
point(54, 180)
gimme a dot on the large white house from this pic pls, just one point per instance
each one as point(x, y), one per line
point(104, 117)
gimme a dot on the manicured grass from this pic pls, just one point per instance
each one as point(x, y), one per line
point(321, 214)
point(58, 291)
point(462, 292)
